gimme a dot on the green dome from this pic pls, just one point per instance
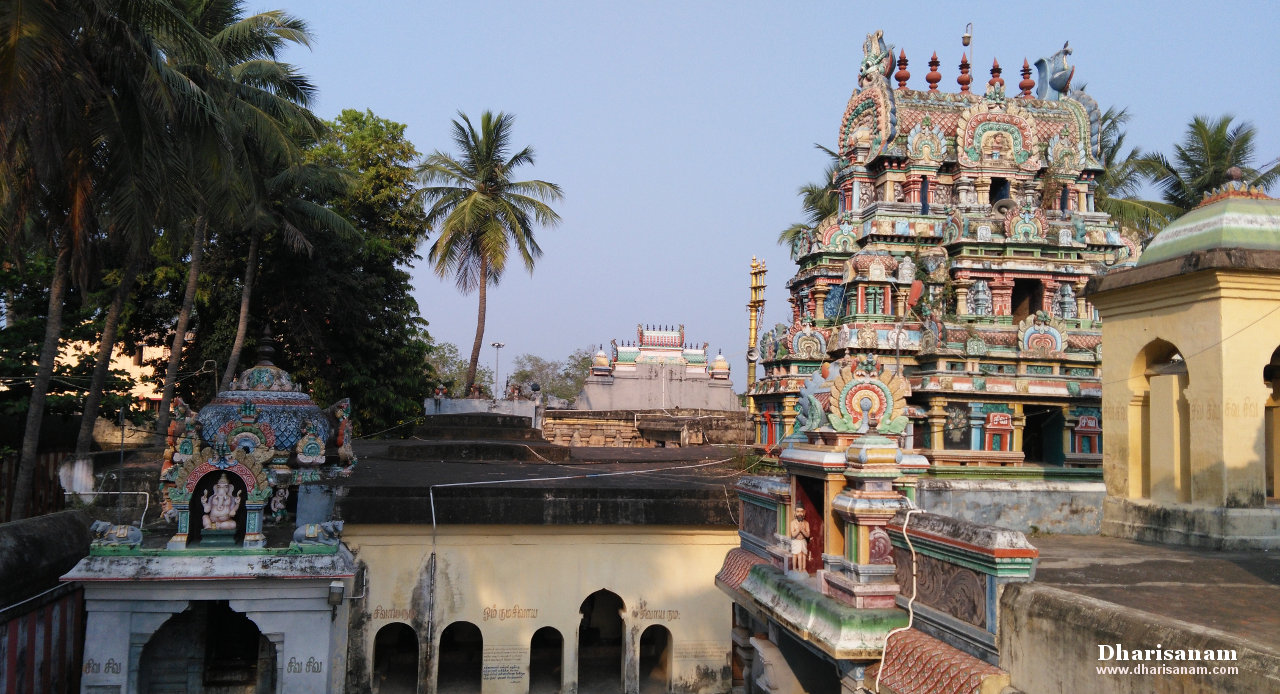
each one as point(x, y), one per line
point(1233, 217)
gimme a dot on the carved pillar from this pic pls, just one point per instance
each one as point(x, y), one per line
point(795, 308)
point(937, 417)
point(983, 190)
point(962, 296)
point(1049, 296)
point(911, 189)
point(1019, 421)
point(1001, 296)
point(1081, 307)
point(862, 298)
point(819, 301)
point(900, 299)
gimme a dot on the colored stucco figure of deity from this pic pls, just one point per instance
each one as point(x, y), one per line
point(800, 533)
point(220, 509)
point(278, 511)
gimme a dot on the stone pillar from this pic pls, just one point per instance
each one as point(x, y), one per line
point(1019, 421)
point(937, 417)
point(983, 189)
point(820, 300)
point(1048, 296)
point(911, 189)
point(1166, 449)
point(1001, 296)
point(962, 296)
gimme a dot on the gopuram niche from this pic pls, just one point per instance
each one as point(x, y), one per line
point(965, 233)
point(236, 463)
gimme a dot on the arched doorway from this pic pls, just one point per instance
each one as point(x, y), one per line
point(208, 648)
point(1160, 425)
point(546, 654)
point(395, 660)
point(600, 643)
point(655, 660)
point(461, 659)
point(1271, 426)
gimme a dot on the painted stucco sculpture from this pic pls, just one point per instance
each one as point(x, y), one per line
point(253, 443)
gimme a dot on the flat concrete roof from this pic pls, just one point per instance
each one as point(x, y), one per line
point(626, 486)
point(1233, 592)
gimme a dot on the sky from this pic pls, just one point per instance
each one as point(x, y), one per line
point(680, 131)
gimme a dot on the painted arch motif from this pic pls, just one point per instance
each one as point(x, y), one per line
point(1012, 130)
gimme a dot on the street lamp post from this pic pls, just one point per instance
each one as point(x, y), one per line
point(497, 352)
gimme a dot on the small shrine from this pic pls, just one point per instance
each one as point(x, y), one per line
point(825, 560)
point(243, 580)
point(966, 232)
point(247, 453)
point(1189, 441)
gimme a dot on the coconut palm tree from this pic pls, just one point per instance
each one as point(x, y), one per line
point(480, 212)
point(819, 201)
point(88, 108)
point(1209, 149)
point(1121, 181)
point(264, 103)
point(284, 209)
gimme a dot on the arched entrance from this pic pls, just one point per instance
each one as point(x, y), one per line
point(1160, 425)
point(461, 659)
point(655, 660)
point(546, 654)
point(600, 646)
point(208, 648)
point(395, 660)
point(1271, 427)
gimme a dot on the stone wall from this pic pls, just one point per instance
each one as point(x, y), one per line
point(646, 428)
point(1029, 506)
point(1050, 639)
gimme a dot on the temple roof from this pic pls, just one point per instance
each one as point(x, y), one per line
point(1234, 216)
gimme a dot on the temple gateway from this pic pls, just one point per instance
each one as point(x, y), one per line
point(965, 235)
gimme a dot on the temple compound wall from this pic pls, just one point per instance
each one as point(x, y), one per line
point(544, 608)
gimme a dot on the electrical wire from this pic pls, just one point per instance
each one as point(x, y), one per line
point(911, 613)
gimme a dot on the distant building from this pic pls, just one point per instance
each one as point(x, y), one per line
point(966, 232)
point(658, 371)
point(656, 391)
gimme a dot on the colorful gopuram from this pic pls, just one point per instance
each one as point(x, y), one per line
point(966, 232)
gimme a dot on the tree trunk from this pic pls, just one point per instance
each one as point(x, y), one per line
point(106, 346)
point(40, 390)
point(180, 330)
point(242, 328)
point(475, 346)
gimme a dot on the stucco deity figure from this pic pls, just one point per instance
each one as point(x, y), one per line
point(906, 270)
point(220, 509)
point(1066, 301)
point(800, 534)
point(980, 299)
point(279, 512)
point(1079, 233)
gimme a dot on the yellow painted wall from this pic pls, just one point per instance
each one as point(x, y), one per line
point(1226, 324)
point(664, 575)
